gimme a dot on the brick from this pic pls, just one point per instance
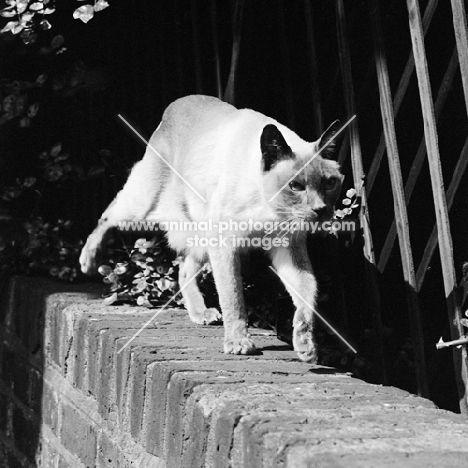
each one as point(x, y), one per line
point(48, 456)
point(50, 408)
point(26, 433)
point(78, 436)
point(155, 421)
point(80, 353)
point(108, 453)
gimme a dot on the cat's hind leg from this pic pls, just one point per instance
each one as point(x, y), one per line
point(294, 268)
point(194, 301)
point(133, 203)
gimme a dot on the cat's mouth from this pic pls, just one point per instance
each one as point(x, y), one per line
point(309, 214)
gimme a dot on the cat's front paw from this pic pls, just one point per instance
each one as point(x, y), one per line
point(240, 345)
point(304, 345)
point(211, 316)
point(89, 259)
point(207, 317)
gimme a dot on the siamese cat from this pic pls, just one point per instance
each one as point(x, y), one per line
point(209, 161)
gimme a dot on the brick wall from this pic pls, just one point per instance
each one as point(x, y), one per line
point(173, 399)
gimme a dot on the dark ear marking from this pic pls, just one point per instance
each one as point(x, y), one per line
point(328, 142)
point(274, 147)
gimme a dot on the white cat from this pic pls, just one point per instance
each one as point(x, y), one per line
point(229, 165)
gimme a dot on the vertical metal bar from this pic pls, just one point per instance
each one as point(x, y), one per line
point(196, 47)
point(358, 175)
point(178, 53)
point(401, 215)
point(214, 36)
point(398, 99)
point(229, 93)
point(418, 161)
point(285, 60)
point(461, 36)
point(314, 84)
point(443, 226)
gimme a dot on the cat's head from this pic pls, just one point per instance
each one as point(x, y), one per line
point(301, 180)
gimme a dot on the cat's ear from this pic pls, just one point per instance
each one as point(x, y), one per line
point(328, 141)
point(274, 147)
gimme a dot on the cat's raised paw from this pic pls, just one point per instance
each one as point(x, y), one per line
point(207, 317)
point(304, 346)
point(242, 345)
point(211, 316)
point(88, 260)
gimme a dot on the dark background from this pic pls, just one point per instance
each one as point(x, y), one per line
point(134, 58)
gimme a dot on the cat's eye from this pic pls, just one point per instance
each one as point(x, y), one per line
point(330, 184)
point(296, 186)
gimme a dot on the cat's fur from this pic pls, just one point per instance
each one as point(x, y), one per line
point(236, 160)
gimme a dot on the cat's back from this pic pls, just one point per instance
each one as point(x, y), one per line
point(194, 116)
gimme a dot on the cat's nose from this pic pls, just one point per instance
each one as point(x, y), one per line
point(320, 211)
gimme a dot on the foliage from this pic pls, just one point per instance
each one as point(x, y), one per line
point(27, 17)
point(350, 203)
point(45, 249)
point(145, 274)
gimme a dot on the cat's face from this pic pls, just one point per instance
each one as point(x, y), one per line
point(308, 193)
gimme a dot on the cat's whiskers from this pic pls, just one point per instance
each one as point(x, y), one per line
point(287, 228)
point(290, 228)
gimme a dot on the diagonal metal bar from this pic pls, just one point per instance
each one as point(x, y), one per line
point(461, 35)
point(337, 333)
point(419, 159)
point(358, 177)
point(458, 173)
point(162, 158)
point(148, 323)
point(401, 214)
point(440, 203)
point(398, 100)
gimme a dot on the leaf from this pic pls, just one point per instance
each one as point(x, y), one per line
point(346, 201)
point(45, 25)
point(351, 192)
point(143, 301)
point(100, 5)
point(464, 322)
point(84, 13)
point(110, 299)
point(49, 11)
point(56, 150)
point(25, 122)
point(57, 41)
point(36, 6)
point(8, 13)
point(21, 5)
point(355, 205)
point(105, 270)
point(10, 26)
point(33, 110)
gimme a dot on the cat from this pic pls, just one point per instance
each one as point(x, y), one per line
point(222, 163)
